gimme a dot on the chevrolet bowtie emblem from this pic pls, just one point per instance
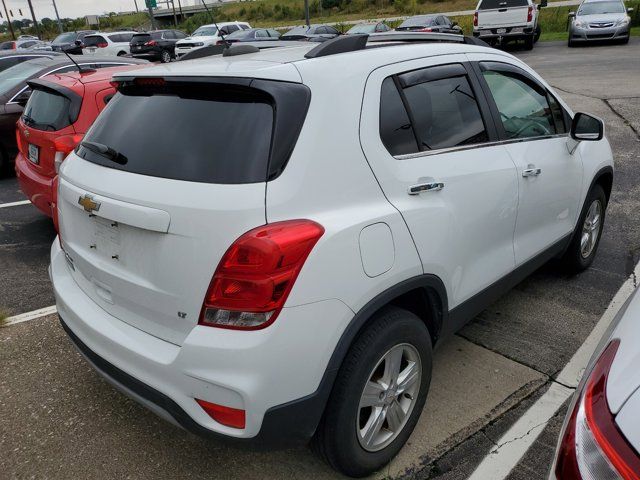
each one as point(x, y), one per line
point(88, 203)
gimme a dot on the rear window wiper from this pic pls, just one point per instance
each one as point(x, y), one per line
point(105, 151)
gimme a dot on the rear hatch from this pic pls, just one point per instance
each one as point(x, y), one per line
point(140, 43)
point(502, 13)
point(93, 43)
point(184, 175)
point(50, 113)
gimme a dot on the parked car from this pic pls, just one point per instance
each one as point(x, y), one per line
point(502, 21)
point(14, 92)
point(235, 317)
point(112, 43)
point(207, 35)
point(600, 437)
point(378, 27)
point(313, 32)
point(59, 112)
point(22, 44)
point(600, 20)
point(9, 58)
point(430, 23)
point(251, 35)
point(156, 45)
point(71, 42)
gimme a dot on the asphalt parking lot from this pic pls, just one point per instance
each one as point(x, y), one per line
point(58, 419)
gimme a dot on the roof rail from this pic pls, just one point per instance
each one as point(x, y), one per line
point(339, 44)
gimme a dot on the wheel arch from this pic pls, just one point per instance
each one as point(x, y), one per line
point(604, 178)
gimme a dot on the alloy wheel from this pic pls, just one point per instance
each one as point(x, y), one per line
point(591, 229)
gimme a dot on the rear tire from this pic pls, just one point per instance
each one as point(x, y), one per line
point(528, 42)
point(165, 56)
point(586, 236)
point(121, 54)
point(356, 438)
point(536, 34)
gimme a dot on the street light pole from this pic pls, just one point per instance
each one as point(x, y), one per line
point(35, 21)
point(55, 7)
point(175, 18)
point(153, 20)
point(6, 12)
point(306, 12)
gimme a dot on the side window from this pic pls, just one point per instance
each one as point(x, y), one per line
point(445, 113)
point(332, 30)
point(274, 33)
point(261, 34)
point(179, 34)
point(395, 127)
point(168, 35)
point(523, 107)
point(558, 114)
point(232, 28)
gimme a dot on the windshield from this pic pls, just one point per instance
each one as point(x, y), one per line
point(205, 32)
point(596, 8)
point(418, 22)
point(363, 29)
point(14, 76)
point(68, 37)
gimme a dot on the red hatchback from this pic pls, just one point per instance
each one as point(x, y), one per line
point(59, 112)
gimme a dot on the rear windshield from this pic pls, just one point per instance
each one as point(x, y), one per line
point(298, 31)
point(493, 4)
point(418, 22)
point(193, 132)
point(47, 111)
point(141, 37)
point(68, 37)
point(94, 40)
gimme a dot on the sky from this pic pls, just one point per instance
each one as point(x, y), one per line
point(71, 8)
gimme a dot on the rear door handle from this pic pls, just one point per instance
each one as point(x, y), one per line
point(425, 187)
point(531, 172)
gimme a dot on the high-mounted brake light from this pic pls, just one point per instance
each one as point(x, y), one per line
point(530, 14)
point(150, 81)
point(256, 274)
point(231, 417)
point(64, 145)
point(475, 18)
point(592, 443)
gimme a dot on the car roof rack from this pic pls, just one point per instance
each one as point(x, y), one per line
point(352, 43)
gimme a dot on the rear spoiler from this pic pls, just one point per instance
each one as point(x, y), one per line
point(73, 97)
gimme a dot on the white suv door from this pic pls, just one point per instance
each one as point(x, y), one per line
point(535, 129)
point(426, 131)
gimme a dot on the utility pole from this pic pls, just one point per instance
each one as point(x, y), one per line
point(175, 18)
point(6, 12)
point(136, 4)
point(180, 8)
point(35, 21)
point(306, 12)
point(55, 7)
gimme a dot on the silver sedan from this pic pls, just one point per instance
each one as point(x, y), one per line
point(599, 20)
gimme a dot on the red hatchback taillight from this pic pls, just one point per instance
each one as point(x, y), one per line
point(256, 274)
point(64, 145)
point(592, 445)
point(475, 18)
point(530, 14)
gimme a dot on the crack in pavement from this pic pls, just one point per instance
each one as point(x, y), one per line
point(511, 440)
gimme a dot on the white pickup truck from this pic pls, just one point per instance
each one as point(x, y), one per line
point(502, 21)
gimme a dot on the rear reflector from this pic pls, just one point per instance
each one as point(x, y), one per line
point(231, 417)
point(475, 19)
point(256, 274)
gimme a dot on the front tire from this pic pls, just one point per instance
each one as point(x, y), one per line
point(378, 395)
point(165, 56)
point(586, 237)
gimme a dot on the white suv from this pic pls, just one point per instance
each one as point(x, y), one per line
point(273, 272)
point(207, 35)
point(111, 43)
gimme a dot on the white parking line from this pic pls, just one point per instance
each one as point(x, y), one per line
point(23, 317)
point(514, 444)
point(14, 204)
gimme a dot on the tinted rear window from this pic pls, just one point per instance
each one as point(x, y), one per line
point(94, 40)
point(418, 22)
point(47, 111)
point(194, 132)
point(492, 4)
point(144, 37)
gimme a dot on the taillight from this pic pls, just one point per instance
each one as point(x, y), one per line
point(475, 18)
point(231, 417)
point(54, 203)
point(151, 43)
point(426, 29)
point(64, 145)
point(592, 445)
point(19, 139)
point(530, 14)
point(256, 274)
point(103, 45)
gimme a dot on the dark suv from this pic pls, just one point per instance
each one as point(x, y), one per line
point(67, 41)
point(156, 45)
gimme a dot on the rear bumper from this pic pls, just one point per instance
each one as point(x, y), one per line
point(510, 33)
point(34, 185)
point(180, 51)
point(274, 374)
point(147, 55)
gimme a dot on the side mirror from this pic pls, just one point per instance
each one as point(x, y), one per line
point(572, 15)
point(23, 98)
point(585, 127)
point(78, 43)
point(630, 10)
point(454, 24)
point(543, 3)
